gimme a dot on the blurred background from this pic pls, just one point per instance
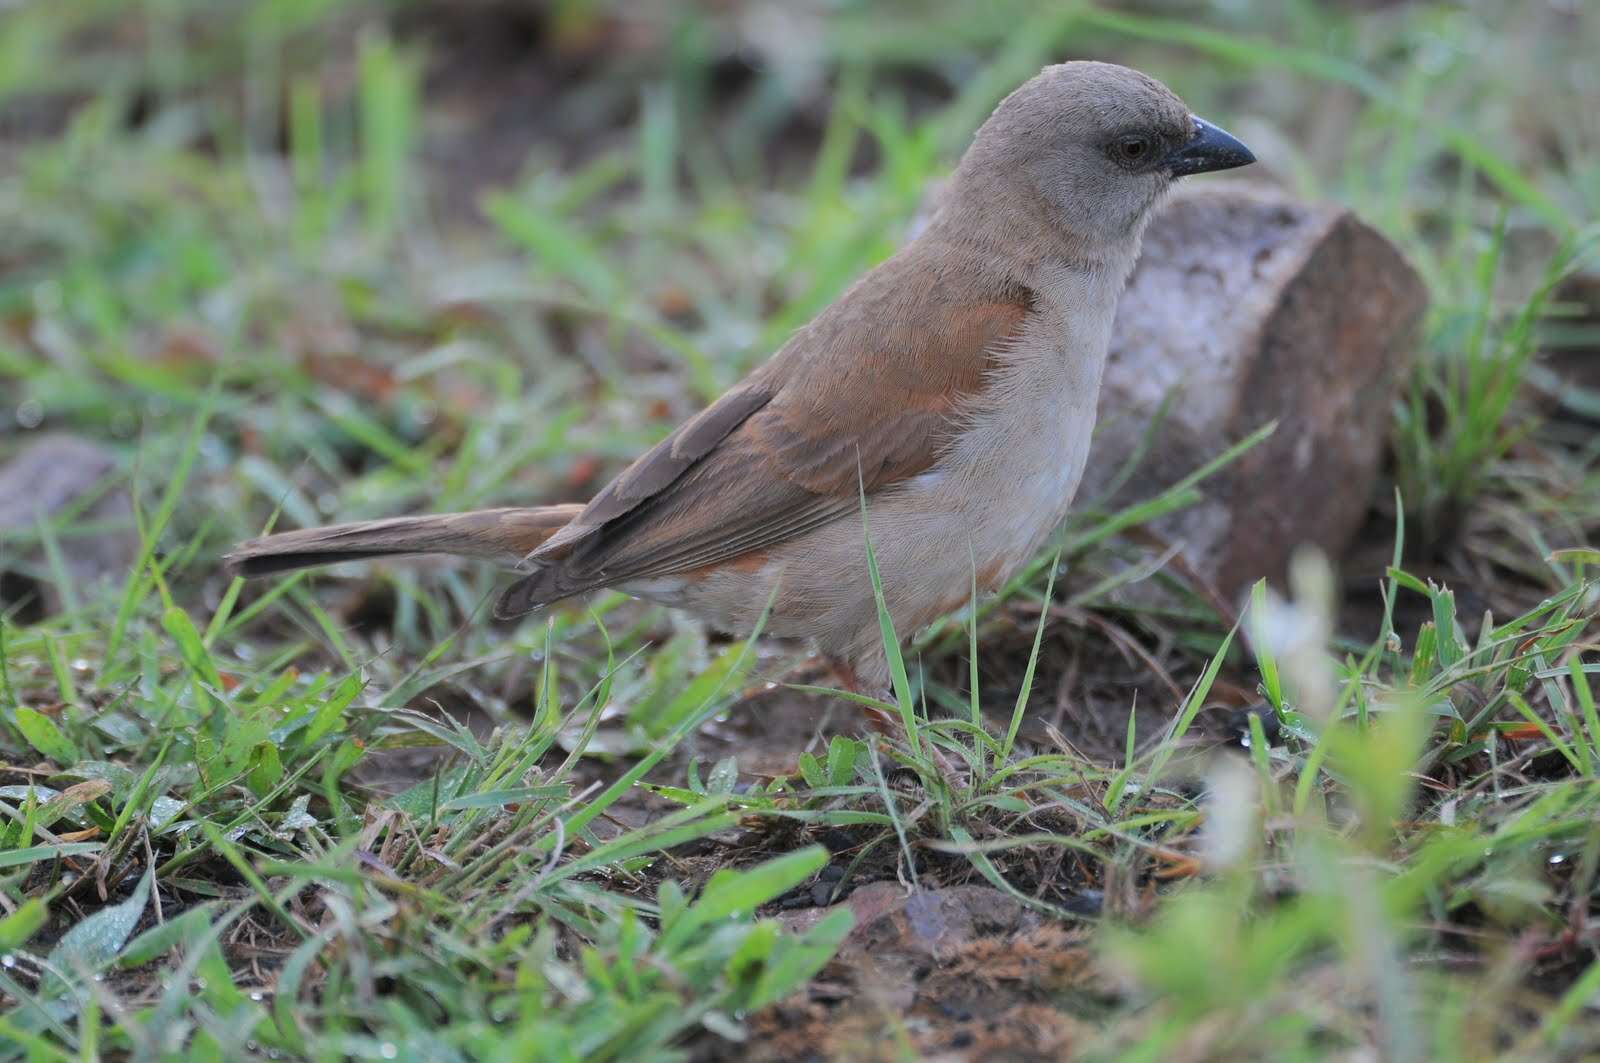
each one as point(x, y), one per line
point(292, 261)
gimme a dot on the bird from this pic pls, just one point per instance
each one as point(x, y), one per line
point(942, 406)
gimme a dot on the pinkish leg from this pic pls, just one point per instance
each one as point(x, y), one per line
point(884, 723)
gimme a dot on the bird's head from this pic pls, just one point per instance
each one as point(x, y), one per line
point(1093, 147)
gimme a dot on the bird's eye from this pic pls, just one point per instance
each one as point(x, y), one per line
point(1132, 150)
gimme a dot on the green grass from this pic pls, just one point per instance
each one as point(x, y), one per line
point(343, 816)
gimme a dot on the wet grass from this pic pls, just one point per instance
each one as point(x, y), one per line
point(344, 816)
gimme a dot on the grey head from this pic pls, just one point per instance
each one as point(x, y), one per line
point(1088, 148)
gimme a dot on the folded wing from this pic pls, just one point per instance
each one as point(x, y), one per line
point(864, 396)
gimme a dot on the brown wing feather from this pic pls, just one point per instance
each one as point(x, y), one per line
point(675, 455)
point(864, 394)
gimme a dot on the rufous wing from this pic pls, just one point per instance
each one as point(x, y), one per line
point(866, 396)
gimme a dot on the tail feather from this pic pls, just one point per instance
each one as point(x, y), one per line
point(545, 584)
point(504, 536)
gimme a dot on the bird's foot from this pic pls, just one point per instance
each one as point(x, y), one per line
point(891, 726)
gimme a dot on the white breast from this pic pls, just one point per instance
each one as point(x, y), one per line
point(1013, 471)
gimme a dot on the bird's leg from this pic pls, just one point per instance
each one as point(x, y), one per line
point(844, 673)
point(878, 719)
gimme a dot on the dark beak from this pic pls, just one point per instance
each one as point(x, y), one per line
point(1208, 149)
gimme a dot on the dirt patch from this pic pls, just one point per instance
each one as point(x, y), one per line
point(961, 973)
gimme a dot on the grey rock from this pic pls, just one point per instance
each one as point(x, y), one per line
point(57, 475)
point(1249, 306)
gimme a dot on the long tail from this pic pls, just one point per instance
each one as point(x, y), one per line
point(504, 536)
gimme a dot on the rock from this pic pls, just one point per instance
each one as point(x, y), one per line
point(890, 920)
point(939, 922)
point(54, 474)
point(1248, 306)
